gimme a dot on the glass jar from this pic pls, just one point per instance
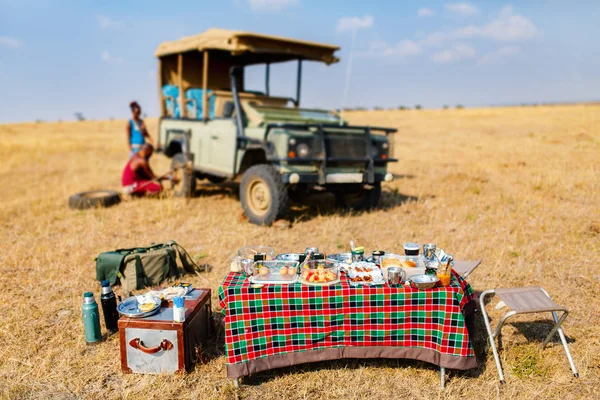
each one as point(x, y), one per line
point(358, 254)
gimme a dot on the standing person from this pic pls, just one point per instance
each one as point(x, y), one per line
point(138, 178)
point(137, 135)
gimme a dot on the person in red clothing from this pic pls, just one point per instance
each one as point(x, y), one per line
point(138, 178)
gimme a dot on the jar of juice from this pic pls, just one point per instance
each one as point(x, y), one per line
point(444, 276)
point(444, 272)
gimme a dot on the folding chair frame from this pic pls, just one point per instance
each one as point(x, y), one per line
point(493, 335)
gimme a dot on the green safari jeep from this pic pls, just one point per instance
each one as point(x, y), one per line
point(214, 129)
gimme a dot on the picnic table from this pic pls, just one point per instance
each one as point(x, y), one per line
point(282, 325)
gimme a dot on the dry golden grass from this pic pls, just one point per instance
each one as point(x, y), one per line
point(518, 187)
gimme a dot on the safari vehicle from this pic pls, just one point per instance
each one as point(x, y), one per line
point(215, 129)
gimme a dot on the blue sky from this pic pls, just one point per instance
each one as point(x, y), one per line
point(60, 57)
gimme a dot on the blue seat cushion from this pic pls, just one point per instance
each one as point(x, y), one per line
point(171, 104)
point(195, 108)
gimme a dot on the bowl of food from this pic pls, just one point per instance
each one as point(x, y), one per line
point(411, 265)
point(424, 282)
point(320, 272)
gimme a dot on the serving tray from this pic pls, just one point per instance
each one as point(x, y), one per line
point(130, 308)
point(271, 279)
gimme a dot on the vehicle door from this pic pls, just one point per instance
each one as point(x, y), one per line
point(222, 146)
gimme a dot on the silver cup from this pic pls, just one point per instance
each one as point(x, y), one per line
point(394, 275)
point(429, 251)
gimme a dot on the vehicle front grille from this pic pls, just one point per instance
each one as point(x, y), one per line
point(345, 146)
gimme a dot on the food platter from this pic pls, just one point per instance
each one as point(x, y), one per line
point(364, 274)
point(130, 307)
point(274, 272)
point(412, 265)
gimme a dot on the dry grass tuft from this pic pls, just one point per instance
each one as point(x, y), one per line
point(518, 187)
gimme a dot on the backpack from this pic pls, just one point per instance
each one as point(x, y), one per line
point(140, 267)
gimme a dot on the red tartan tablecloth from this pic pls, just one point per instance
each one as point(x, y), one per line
point(281, 325)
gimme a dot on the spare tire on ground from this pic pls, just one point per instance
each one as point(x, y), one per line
point(93, 199)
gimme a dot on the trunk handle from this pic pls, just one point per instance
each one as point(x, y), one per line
point(138, 344)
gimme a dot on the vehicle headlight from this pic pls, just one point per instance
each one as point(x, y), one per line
point(302, 150)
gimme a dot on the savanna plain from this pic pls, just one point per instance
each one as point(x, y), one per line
point(518, 187)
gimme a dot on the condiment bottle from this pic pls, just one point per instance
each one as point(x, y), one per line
point(109, 307)
point(91, 319)
point(178, 309)
point(358, 254)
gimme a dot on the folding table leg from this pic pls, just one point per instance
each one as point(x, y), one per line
point(490, 333)
point(563, 339)
point(442, 377)
point(236, 382)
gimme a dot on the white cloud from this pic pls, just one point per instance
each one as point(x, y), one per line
point(506, 27)
point(434, 39)
point(107, 23)
point(353, 24)
point(272, 5)
point(457, 52)
point(110, 59)
point(403, 48)
point(500, 54)
point(462, 8)
point(425, 12)
point(10, 42)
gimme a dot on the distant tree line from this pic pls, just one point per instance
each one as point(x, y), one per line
point(401, 108)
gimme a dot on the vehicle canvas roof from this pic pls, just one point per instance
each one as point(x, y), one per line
point(251, 48)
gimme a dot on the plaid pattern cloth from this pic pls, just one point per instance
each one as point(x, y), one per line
point(279, 319)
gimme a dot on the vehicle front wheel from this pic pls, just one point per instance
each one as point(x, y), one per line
point(359, 198)
point(183, 178)
point(263, 195)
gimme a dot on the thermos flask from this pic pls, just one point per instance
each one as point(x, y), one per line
point(91, 318)
point(109, 307)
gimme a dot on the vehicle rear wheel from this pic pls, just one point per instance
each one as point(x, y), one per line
point(359, 198)
point(183, 178)
point(263, 195)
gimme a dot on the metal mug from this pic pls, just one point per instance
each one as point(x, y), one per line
point(395, 276)
point(429, 251)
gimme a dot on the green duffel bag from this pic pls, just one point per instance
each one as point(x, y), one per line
point(140, 267)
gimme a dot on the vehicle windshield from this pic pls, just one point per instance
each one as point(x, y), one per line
point(260, 114)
